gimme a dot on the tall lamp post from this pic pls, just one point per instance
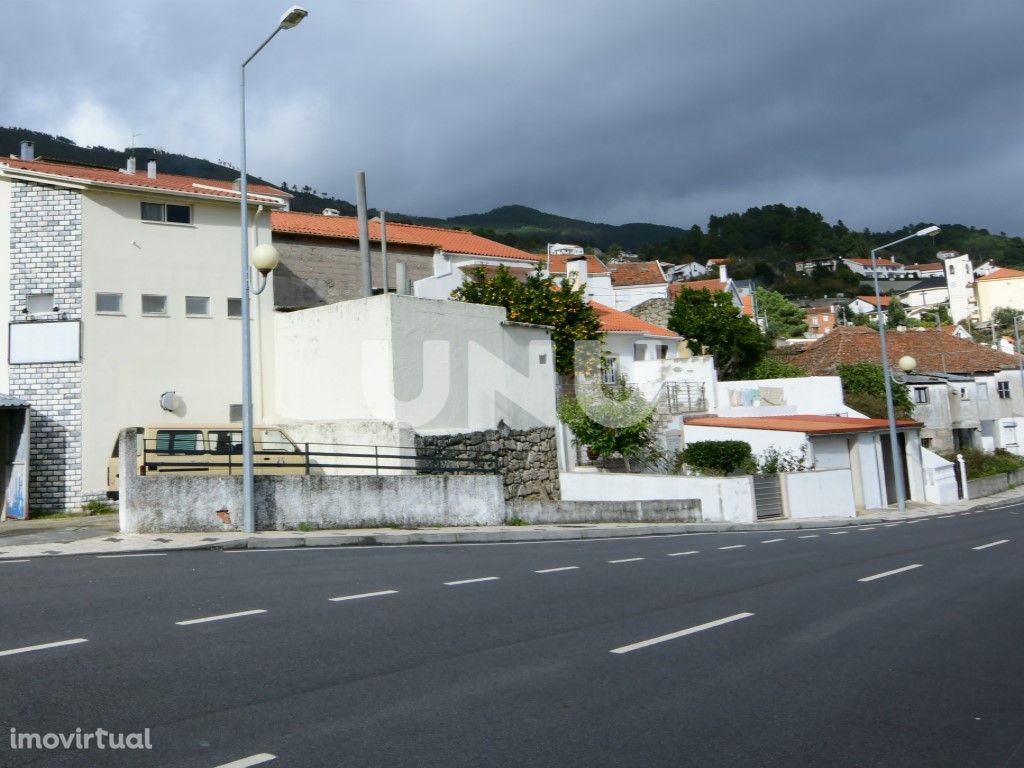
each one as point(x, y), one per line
point(897, 459)
point(291, 18)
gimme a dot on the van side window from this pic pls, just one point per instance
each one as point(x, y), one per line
point(225, 441)
point(179, 441)
point(274, 440)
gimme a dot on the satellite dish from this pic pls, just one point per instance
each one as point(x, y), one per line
point(170, 401)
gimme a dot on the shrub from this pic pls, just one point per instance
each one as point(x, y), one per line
point(981, 464)
point(718, 457)
point(773, 460)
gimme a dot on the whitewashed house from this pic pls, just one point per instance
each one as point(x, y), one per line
point(121, 297)
point(885, 268)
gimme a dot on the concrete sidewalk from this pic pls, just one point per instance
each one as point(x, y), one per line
point(99, 536)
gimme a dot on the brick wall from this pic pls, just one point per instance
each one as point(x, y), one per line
point(315, 271)
point(46, 257)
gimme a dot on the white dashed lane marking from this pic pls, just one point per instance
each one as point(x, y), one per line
point(219, 617)
point(43, 647)
point(680, 633)
point(626, 560)
point(471, 581)
point(891, 573)
point(556, 570)
point(381, 593)
point(993, 544)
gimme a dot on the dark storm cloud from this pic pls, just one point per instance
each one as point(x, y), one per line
point(881, 113)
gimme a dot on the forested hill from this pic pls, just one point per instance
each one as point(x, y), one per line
point(766, 241)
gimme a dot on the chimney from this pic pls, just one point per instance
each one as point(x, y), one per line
point(723, 274)
point(28, 150)
point(130, 165)
point(151, 168)
point(576, 270)
point(237, 184)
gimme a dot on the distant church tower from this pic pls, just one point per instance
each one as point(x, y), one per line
point(960, 283)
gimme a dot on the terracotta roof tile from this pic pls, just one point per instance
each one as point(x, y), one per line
point(748, 305)
point(1003, 273)
point(164, 182)
point(812, 425)
point(638, 273)
point(880, 262)
point(884, 300)
point(696, 285)
point(614, 321)
point(937, 266)
point(558, 261)
point(347, 228)
point(935, 350)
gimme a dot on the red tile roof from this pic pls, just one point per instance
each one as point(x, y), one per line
point(614, 321)
point(748, 305)
point(696, 285)
point(811, 425)
point(558, 261)
point(164, 182)
point(347, 228)
point(935, 350)
point(1002, 274)
point(880, 262)
point(637, 273)
point(937, 266)
point(884, 300)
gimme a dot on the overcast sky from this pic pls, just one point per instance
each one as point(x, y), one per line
point(878, 112)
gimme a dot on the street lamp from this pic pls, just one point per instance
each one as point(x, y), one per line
point(897, 459)
point(291, 18)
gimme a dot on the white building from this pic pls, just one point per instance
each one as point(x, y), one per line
point(118, 287)
point(886, 268)
point(960, 285)
point(868, 305)
point(636, 282)
point(692, 270)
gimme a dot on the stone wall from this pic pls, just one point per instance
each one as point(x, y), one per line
point(527, 458)
point(315, 271)
point(655, 311)
point(46, 257)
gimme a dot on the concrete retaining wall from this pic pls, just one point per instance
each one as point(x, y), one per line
point(986, 486)
point(541, 512)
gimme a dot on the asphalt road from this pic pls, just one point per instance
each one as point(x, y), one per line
point(892, 645)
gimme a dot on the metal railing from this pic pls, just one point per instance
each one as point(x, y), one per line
point(317, 458)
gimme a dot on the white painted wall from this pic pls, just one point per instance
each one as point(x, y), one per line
point(759, 439)
point(438, 366)
point(629, 296)
point(826, 493)
point(721, 498)
point(818, 395)
point(5, 281)
point(939, 478)
point(130, 360)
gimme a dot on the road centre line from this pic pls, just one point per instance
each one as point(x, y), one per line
point(919, 520)
point(626, 560)
point(808, 536)
point(248, 762)
point(364, 594)
point(681, 633)
point(869, 528)
point(470, 581)
point(219, 617)
point(993, 544)
point(556, 570)
point(8, 562)
point(838, 533)
point(688, 552)
point(890, 525)
point(891, 573)
point(944, 517)
point(771, 541)
point(43, 647)
point(734, 546)
point(139, 554)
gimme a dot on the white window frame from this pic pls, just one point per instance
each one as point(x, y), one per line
point(162, 313)
point(1003, 388)
point(163, 214)
point(920, 395)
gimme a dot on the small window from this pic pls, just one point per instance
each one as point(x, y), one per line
point(965, 393)
point(235, 412)
point(1003, 389)
point(39, 303)
point(168, 214)
point(154, 305)
point(109, 303)
point(920, 394)
point(235, 309)
point(662, 351)
point(197, 306)
point(952, 269)
point(610, 371)
point(639, 351)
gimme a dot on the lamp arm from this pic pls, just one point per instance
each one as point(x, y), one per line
point(261, 279)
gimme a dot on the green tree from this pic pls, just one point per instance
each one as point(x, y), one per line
point(773, 368)
point(1003, 318)
point(864, 391)
point(895, 315)
point(711, 321)
point(540, 300)
point(785, 319)
point(611, 420)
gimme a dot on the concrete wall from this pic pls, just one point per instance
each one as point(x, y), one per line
point(759, 439)
point(202, 503)
point(819, 395)
point(629, 296)
point(318, 270)
point(827, 493)
point(440, 366)
point(534, 513)
point(939, 478)
point(721, 498)
point(998, 293)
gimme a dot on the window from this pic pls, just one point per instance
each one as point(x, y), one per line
point(1010, 432)
point(1003, 389)
point(952, 269)
point(235, 412)
point(39, 303)
point(154, 305)
point(197, 306)
point(965, 393)
point(109, 303)
point(234, 307)
point(167, 214)
point(920, 394)
point(639, 351)
point(662, 351)
point(224, 441)
point(610, 371)
point(178, 441)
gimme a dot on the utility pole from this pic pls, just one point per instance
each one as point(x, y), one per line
point(384, 248)
point(364, 233)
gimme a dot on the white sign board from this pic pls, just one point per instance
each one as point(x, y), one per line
point(43, 342)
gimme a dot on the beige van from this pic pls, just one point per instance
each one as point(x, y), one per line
point(209, 449)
